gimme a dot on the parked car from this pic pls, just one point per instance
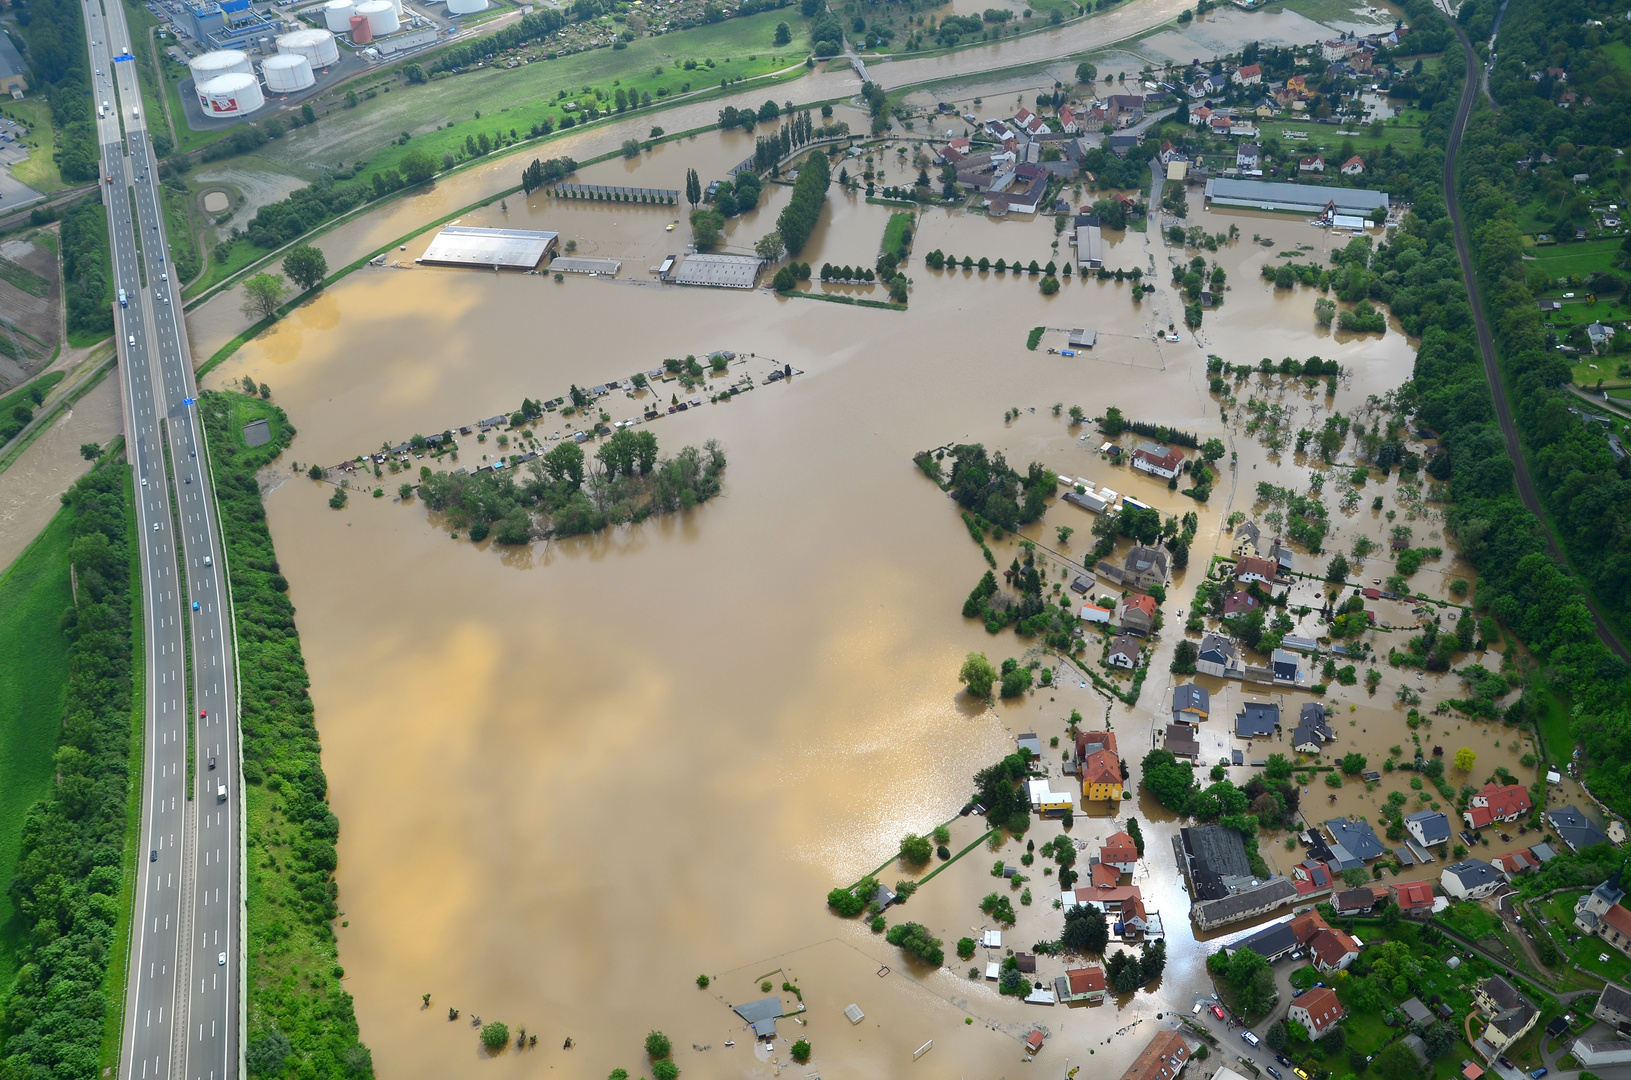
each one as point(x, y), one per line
point(1249, 1039)
point(1217, 1011)
point(1538, 1073)
point(1282, 1059)
point(1272, 1071)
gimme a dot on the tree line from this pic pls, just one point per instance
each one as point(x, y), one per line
point(794, 133)
point(70, 871)
point(798, 218)
point(542, 173)
point(306, 1025)
point(87, 263)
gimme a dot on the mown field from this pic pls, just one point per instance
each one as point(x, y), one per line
point(34, 592)
point(40, 170)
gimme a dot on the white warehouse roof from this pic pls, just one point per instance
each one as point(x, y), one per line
point(509, 249)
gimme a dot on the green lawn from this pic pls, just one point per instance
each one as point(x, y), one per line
point(1617, 51)
point(1576, 259)
point(40, 170)
point(1470, 919)
point(19, 396)
point(34, 593)
point(517, 98)
point(1328, 139)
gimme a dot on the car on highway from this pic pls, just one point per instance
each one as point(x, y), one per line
point(212, 763)
point(203, 713)
point(131, 341)
point(195, 605)
point(153, 856)
point(1250, 1039)
point(144, 481)
point(208, 561)
point(155, 526)
point(221, 959)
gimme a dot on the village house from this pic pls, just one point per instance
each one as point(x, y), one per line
point(1081, 984)
point(1614, 1008)
point(1124, 110)
point(1145, 567)
point(1191, 704)
point(1257, 719)
point(1429, 828)
point(1163, 461)
point(1246, 156)
point(1496, 803)
point(1312, 163)
point(1600, 912)
point(1333, 950)
point(1470, 879)
point(1249, 569)
point(1575, 829)
point(1101, 777)
point(1119, 851)
point(1220, 658)
point(1413, 897)
point(1248, 540)
point(1354, 902)
point(1124, 651)
point(1354, 166)
point(1067, 120)
point(1312, 732)
point(1163, 1059)
point(1336, 49)
point(1510, 1014)
point(1181, 742)
point(1318, 1011)
point(1250, 75)
point(1136, 614)
point(1237, 604)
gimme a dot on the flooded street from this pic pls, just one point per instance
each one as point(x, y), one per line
point(29, 489)
point(573, 777)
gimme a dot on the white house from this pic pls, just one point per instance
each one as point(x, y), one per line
point(1354, 166)
point(1470, 879)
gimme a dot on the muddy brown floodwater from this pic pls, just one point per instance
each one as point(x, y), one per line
point(52, 462)
point(577, 775)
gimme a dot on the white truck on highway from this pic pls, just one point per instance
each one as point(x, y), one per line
point(135, 112)
point(220, 791)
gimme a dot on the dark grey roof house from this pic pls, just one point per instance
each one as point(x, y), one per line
point(1357, 836)
point(1575, 829)
point(1257, 719)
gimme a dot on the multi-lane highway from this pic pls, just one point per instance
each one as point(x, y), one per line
point(182, 998)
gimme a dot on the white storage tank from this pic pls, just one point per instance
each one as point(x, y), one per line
point(337, 15)
point(210, 65)
point(465, 7)
point(230, 95)
point(381, 16)
point(316, 46)
point(286, 73)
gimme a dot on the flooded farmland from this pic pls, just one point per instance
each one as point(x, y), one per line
point(575, 776)
point(29, 489)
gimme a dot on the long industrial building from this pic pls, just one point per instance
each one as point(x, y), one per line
point(1300, 198)
point(490, 249)
point(719, 271)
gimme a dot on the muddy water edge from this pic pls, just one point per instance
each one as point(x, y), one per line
point(575, 776)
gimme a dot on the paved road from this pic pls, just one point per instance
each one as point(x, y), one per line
point(182, 1003)
point(1486, 340)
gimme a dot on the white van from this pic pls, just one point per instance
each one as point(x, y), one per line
point(131, 341)
point(220, 792)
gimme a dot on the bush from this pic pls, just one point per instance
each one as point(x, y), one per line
point(801, 1049)
point(916, 941)
point(495, 1036)
point(665, 1070)
point(915, 849)
point(658, 1045)
point(965, 948)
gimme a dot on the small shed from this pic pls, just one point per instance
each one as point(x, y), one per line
point(853, 1013)
point(1083, 339)
point(1033, 1041)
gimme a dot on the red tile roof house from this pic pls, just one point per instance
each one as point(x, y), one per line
point(1312, 163)
point(1137, 614)
point(1333, 950)
point(1237, 604)
point(1248, 569)
point(1318, 1011)
point(1353, 166)
point(1250, 75)
point(1120, 852)
point(1082, 984)
point(1101, 876)
point(1163, 461)
point(1497, 803)
point(1413, 897)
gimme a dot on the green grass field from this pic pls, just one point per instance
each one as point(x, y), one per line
point(34, 592)
point(517, 98)
point(40, 170)
point(1617, 51)
point(1577, 259)
point(1327, 139)
point(19, 396)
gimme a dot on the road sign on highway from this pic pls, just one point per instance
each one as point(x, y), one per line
point(122, 57)
point(189, 401)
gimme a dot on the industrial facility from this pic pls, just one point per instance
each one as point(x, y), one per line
point(1316, 199)
point(225, 96)
point(489, 249)
point(718, 271)
point(231, 24)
